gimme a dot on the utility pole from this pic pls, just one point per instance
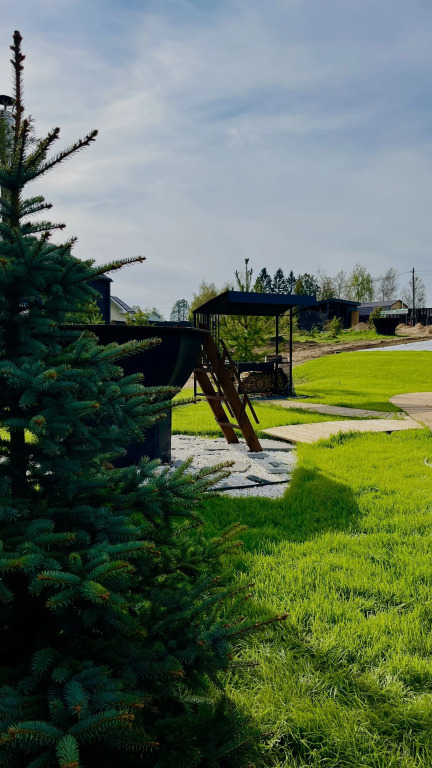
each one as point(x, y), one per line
point(413, 297)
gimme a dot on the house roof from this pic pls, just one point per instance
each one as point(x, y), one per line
point(122, 304)
point(251, 303)
point(371, 305)
point(333, 300)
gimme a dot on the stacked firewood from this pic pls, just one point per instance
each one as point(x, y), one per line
point(265, 381)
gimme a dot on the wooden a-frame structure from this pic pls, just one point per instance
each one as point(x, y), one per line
point(217, 373)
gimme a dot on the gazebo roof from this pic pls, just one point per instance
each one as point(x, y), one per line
point(250, 303)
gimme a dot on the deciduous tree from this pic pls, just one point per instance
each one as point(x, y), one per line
point(205, 292)
point(243, 334)
point(340, 285)
point(360, 284)
point(388, 285)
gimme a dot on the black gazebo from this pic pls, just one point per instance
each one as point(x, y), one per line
point(254, 304)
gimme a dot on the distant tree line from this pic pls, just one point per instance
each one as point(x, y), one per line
point(356, 285)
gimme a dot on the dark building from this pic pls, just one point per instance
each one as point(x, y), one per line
point(325, 310)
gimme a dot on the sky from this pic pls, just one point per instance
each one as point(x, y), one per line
point(295, 133)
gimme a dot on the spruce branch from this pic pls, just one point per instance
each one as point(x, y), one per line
point(114, 265)
point(5, 206)
point(34, 205)
point(41, 226)
point(34, 159)
point(63, 155)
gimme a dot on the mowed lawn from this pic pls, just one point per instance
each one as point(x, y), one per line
point(364, 379)
point(197, 418)
point(346, 680)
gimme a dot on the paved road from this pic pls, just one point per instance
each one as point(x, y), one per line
point(415, 346)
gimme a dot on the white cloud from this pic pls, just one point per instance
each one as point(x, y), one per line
point(276, 132)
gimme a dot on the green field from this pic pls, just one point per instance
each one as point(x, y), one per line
point(346, 680)
point(198, 419)
point(364, 379)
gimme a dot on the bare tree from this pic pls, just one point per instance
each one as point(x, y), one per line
point(326, 288)
point(340, 283)
point(388, 285)
point(419, 293)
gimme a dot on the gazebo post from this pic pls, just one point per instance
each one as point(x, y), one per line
point(276, 364)
point(290, 353)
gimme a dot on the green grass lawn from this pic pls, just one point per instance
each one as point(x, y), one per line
point(364, 379)
point(198, 419)
point(347, 679)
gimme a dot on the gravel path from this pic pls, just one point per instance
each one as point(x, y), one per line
point(253, 474)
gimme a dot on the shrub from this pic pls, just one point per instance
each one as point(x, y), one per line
point(334, 327)
point(374, 315)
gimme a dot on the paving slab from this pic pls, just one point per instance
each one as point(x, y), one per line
point(240, 466)
point(311, 433)
point(332, 410)
point(418, 405)
point(274, 445)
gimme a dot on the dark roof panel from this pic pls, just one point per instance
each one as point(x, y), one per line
point(346, 302)
point(383, 304)
point(251, 303)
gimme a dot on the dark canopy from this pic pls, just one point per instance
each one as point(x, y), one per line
point(248, 303)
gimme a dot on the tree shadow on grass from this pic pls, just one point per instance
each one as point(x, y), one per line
point(312, 505)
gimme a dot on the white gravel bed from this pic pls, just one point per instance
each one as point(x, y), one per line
point(273, 466)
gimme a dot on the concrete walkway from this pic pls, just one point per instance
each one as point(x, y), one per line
point(412, 346)
point(418, 405)
point(311, 433)
point(332, 410)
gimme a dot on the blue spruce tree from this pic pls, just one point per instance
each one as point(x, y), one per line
point(111, 649)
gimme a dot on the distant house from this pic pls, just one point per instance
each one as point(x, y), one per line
point(326, 310)
point(119, 310)
point(389, 308)
point(344, 309)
